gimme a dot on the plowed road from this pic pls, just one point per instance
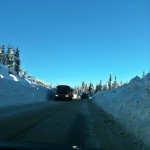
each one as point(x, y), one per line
point(62, 125)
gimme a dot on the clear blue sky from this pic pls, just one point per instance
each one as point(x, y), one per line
point(68, 41)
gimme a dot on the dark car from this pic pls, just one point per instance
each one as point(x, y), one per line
point(84, 96)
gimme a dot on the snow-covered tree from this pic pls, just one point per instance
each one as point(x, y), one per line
point(115, 84)
point(23, 73)
point(105, 87)
point(10, 57)
point(75, 91)
point(97, 88)
point(90, 89)
point(2, 54)
point(83, 86)
point(110, 82)
point(86, 87)
point(143, 75)
point(121, 83)
point(79, 91)
point(100, 86)
point(17, 61)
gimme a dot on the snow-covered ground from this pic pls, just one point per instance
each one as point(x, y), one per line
point(130, 105)
point(17, 90)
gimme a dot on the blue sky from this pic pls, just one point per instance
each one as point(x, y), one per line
point(68, 41)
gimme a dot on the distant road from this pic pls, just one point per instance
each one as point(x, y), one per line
point(63, 125)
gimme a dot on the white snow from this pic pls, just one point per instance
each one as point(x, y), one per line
point(14, 93)
point(14, 77)
point(1, 76)
point(28, 81)
point(130, 105)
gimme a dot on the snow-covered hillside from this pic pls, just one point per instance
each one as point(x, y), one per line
point(17, 90)
point(130, 105)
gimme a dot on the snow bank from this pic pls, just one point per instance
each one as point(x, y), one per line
point(130, 105)
point(17, 90)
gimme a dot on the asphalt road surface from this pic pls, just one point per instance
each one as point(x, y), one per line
point(62, 125)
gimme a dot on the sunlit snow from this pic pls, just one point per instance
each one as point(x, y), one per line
point(14, 77)
point(14, 93)
point(130, 105)
point(1, 76)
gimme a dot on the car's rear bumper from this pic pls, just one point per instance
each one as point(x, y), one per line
point(62, 97)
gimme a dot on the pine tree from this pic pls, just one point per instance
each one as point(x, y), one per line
point(105, 87)
point(86, 88)
point(17, 61)
point(23, 73)
point(100, 86)
point(10, 57)
point(115, 83)
point(79, 90)
point(83, 86)
point(76, 90)
point(110, 82)
point(97, 88)
point(121, 83)
point(143, 75)
point(90, 90)
point(2, 54)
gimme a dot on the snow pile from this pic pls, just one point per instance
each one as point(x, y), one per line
point(10, 74)
point(130, 105)
point(17, 90)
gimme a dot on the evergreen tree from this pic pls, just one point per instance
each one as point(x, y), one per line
point(121, 83)
point(90, 90)
point(83, 86)
point(17, 61)
point(105, 87)
point(76, 90)
point(2, 54)
point(97, 88)
point(100, 86)
point(10, 57)
point(79, 90)
point(23, 73)
point(143, 75)
point(93, 89)
point(115, 84)
point(86, 88)
point(110, 82)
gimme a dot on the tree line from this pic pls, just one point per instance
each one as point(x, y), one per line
point(84, 88)
point(91, 89)
point(108, 85)
point(10, 57)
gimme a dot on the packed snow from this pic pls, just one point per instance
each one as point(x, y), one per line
point(130, 105)
point(18, 90)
